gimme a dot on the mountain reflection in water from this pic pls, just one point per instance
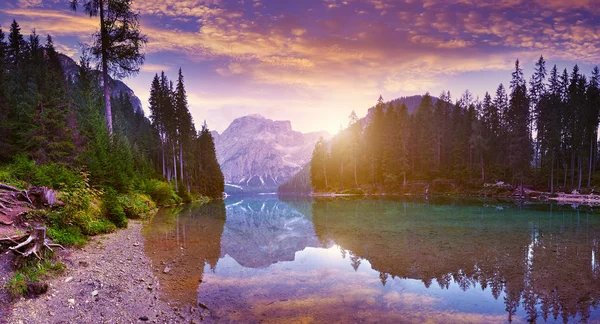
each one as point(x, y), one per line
point(258, 259)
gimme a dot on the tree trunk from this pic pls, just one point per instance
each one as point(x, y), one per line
point(373, 172)
point(164, 169)
point(552, 175)
point(174, 164)
point(342, 175)
point(355, 178)
point(566, 171)
point(181, 159)
point(325, 174)
point(573, 168)
point(589, 184)
point(482, 168)
point(104, 40)
point(580, 172)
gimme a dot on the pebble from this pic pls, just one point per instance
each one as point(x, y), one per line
point(94, 293)
point(71, 302)
point(69, 279)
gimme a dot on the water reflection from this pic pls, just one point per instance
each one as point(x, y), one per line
point(180, 242)
point(262, 232)
point(380, 260)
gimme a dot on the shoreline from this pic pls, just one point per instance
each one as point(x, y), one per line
point(590, 199)
point(110, 280)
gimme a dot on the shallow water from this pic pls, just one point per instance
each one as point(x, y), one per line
point(261, 259)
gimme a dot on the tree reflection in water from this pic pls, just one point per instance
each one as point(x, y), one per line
point(268, 258)
point(542, 259)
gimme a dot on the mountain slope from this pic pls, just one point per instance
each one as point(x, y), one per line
point(257, 154)
point(70, 68)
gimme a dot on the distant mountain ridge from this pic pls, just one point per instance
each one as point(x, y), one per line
point(258, 154)
point(411, 102)
point(70, 67)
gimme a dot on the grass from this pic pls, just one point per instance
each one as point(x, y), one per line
point(32, 271)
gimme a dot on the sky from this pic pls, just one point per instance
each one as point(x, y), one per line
point(314, 61)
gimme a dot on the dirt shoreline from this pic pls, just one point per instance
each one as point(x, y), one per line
point(109, 281)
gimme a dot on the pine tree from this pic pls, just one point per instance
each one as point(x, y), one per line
point(16, 45)
point(318, 165)
point(212, 183)
point(355, 127)
point(118, 45)
point(518, 126)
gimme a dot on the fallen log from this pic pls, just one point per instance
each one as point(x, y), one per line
point(32, 244)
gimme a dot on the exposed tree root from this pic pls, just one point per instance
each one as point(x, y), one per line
point(32, 244)
point(9, 188)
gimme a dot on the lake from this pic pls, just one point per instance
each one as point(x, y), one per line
point(269, 259)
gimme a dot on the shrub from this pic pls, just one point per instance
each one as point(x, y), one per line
point(353, 191)
point(52, 175)
point(66, 235)
point(112, 209)
point(161, 192)
point(136, 204)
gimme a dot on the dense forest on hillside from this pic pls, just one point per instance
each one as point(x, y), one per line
point(53, 133)
point(542, 133)
point(57, 119)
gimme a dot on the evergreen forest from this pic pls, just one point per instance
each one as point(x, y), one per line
point(541, 133)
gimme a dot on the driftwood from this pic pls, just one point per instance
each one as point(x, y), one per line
point(32, 244)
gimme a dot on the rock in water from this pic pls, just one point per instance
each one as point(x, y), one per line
point(257, 154)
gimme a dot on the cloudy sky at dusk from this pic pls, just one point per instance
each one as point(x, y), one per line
point(313, 61)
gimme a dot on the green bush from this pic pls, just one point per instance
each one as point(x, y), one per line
point(66, 235)
point(52, 175)
point(112, 209)
point(353, 191)
point(135, 205)
point(101, 226)
point(161, 192)
point(8, 178)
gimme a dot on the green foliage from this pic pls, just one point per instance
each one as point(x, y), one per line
point(353, 191)
point(112, 209)
point(8, 178)
point(183, 193)
point(67, 235)
point(135, 205)
point(24, 171)
point(161, 192)
point(16, 286)
point(31, 271)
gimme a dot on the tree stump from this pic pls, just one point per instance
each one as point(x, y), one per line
point(32, 245)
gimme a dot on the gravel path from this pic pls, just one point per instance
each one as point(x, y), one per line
point(108, 281)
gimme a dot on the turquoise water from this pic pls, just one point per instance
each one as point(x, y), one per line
point(264, 259)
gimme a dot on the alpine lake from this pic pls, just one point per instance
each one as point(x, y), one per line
point(257, 259)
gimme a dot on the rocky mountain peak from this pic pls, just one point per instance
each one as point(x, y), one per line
point(258, 154)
